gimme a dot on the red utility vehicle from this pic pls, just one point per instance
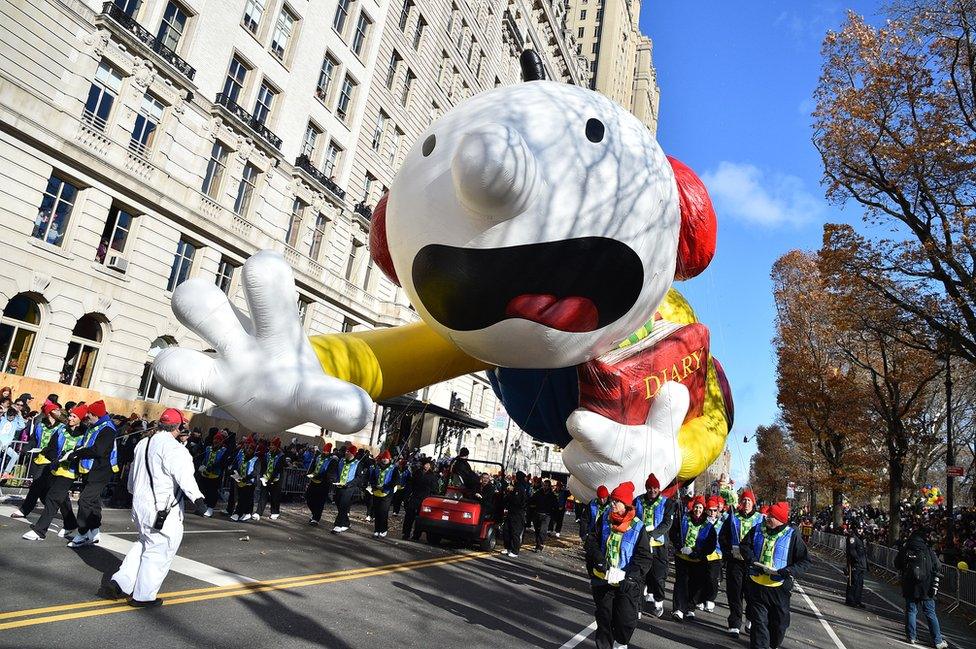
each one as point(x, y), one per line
point(461, 515)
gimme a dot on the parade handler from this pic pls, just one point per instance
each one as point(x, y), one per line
point(777, 556)
point(621, 557)
point(160, 481)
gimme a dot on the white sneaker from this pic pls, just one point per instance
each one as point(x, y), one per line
point(617, 645)
point(79, 540)
point(256, 518)
point(658, 609)
point(17, 514)
point(63, 533)
point(733, 631)
point(95, 535)
point(557, 536)
point(344, 528)
point(505, 553)
point(709, 606)
point(313, 522)
point(383, 535)
point(336, 529)
point(31, 535)
point(649, 598)
point(678, 615)
point(235, 517)
point(274, 517)
point(690, 615)
point(748, 626)
point(701, 607)
point(942, 645)
point(513, 555)
point(369, 519)
point(376, 535)
point(245, 517)
point(209, 512)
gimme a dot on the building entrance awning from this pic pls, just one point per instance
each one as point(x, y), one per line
point(411, 406)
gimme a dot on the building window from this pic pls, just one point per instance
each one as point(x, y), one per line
point(115, 234)
point(318, 235)
point(149, 387)
point(418, 32)
point(55, 211)
point(173, 26)
point(282, 33)
point(147, 121)
point(128, 7)
point(332, 159)
point(583, 14)
point(265, 102)
point(245, 190)
point(407, 85)
point(303, 306)
point(442, 73)
point(182, 262)
point(348, 324)
point(19, 324)
point(405, 14)
point(101, 95)
point(79, 362)
point(294, 230)
point(345, 97)
point(435, 112)
point(329, 65)
point(368, 188)
point(470, 53)
point(395, 145)
point(310, 140)
point(481, 62)
point(225, 274)
point(594, 48)
point(452, 21)
point(215, 170)
point(252, 15)
point(579, 33)
point(391, 71)
point(341, 14)
point(234, 83)
point(353, 261)
point(378, 130)
point(362, 30)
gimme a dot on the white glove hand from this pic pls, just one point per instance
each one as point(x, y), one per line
point(35, 450)
point(235, 476)
point(686, 551)
point(265, 374)
point(605, 452)
point(735, 551)
point(264, 482)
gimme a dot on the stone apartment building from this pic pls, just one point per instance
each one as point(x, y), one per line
point(145, 142)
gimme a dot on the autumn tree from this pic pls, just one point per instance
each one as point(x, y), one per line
point(821, 401)
point(774, 464)
point(895, 125)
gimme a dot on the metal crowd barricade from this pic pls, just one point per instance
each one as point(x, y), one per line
point(18, 471)
point(294, 480)
point(956, 587)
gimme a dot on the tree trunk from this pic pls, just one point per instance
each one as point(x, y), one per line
point(896, 480)
point(837, 497)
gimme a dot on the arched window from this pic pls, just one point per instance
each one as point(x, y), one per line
point(149, 388)
point(18, 330)
point(79, 363)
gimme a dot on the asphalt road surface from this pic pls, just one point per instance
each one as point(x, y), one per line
point(285, 584)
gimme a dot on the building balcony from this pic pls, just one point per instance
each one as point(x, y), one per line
point(304, 164)
point(248, 120)
point(363, 210)
point(127, 28)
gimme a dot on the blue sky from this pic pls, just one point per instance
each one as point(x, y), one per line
point(737, 81)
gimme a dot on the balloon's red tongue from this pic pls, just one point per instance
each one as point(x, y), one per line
point(575, 314)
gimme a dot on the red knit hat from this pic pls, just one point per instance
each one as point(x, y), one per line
point(385, 455)
point(697, 500)
point(97, 408)
point(327, 448)
point(624, 492)
point(780, 511)
point(49, 407)
point(714, 502)
point(276, 443)
point(747, 493)
point(219, 437)
point(79, 411)
point(652, 482)
point(602, 491)
point(764, 510)
point(351, 448)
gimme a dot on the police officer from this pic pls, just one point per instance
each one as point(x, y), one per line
point(160, 481)
point(857, 563)
point(516, 501)
point(212, 470)
point(423, 483)
point(776, 556)
point(321, 475)
point(384, 476)
point(620, 558)
point(735, 529)
point(657, 513)
point(271, 480)
point(348, 482)
point(694, 539)
point(95, 455)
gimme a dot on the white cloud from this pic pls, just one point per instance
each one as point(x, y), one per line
point(745, 192)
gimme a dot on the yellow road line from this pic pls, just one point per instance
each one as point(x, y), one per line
point(106, 607)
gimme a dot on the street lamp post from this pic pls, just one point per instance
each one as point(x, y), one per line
point(950, 451)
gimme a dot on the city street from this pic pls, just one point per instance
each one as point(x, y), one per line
point(285, 584)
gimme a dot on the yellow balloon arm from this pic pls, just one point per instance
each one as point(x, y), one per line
point(392, 361)
point(703, 438)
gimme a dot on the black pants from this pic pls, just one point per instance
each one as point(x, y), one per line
point(398, 498)
point(657, 576)
point(232, 499)
point(686, 574)
point(211, 490)
point(735, 575)
point(514, 526)
point(245, 500)
point(56, 499)
point(541, 529)
point(709, 585)
point(412, 509)
point(556, 521)
point(855, 587)
point(343, 499)
point(381, 513)
point(768, 608)
point(368, 502)
point(40, 482)
point(315, 497)
point(90, 501)
point(270, 492)
point(616, 612)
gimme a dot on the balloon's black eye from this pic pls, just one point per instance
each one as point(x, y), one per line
point(429, 144)
point(594, 130)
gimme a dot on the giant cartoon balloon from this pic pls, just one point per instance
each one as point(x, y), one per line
point(537, 230)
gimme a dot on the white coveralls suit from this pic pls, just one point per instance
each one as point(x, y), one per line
point(147, 562)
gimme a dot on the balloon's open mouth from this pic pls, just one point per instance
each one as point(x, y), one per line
point(577, 285)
